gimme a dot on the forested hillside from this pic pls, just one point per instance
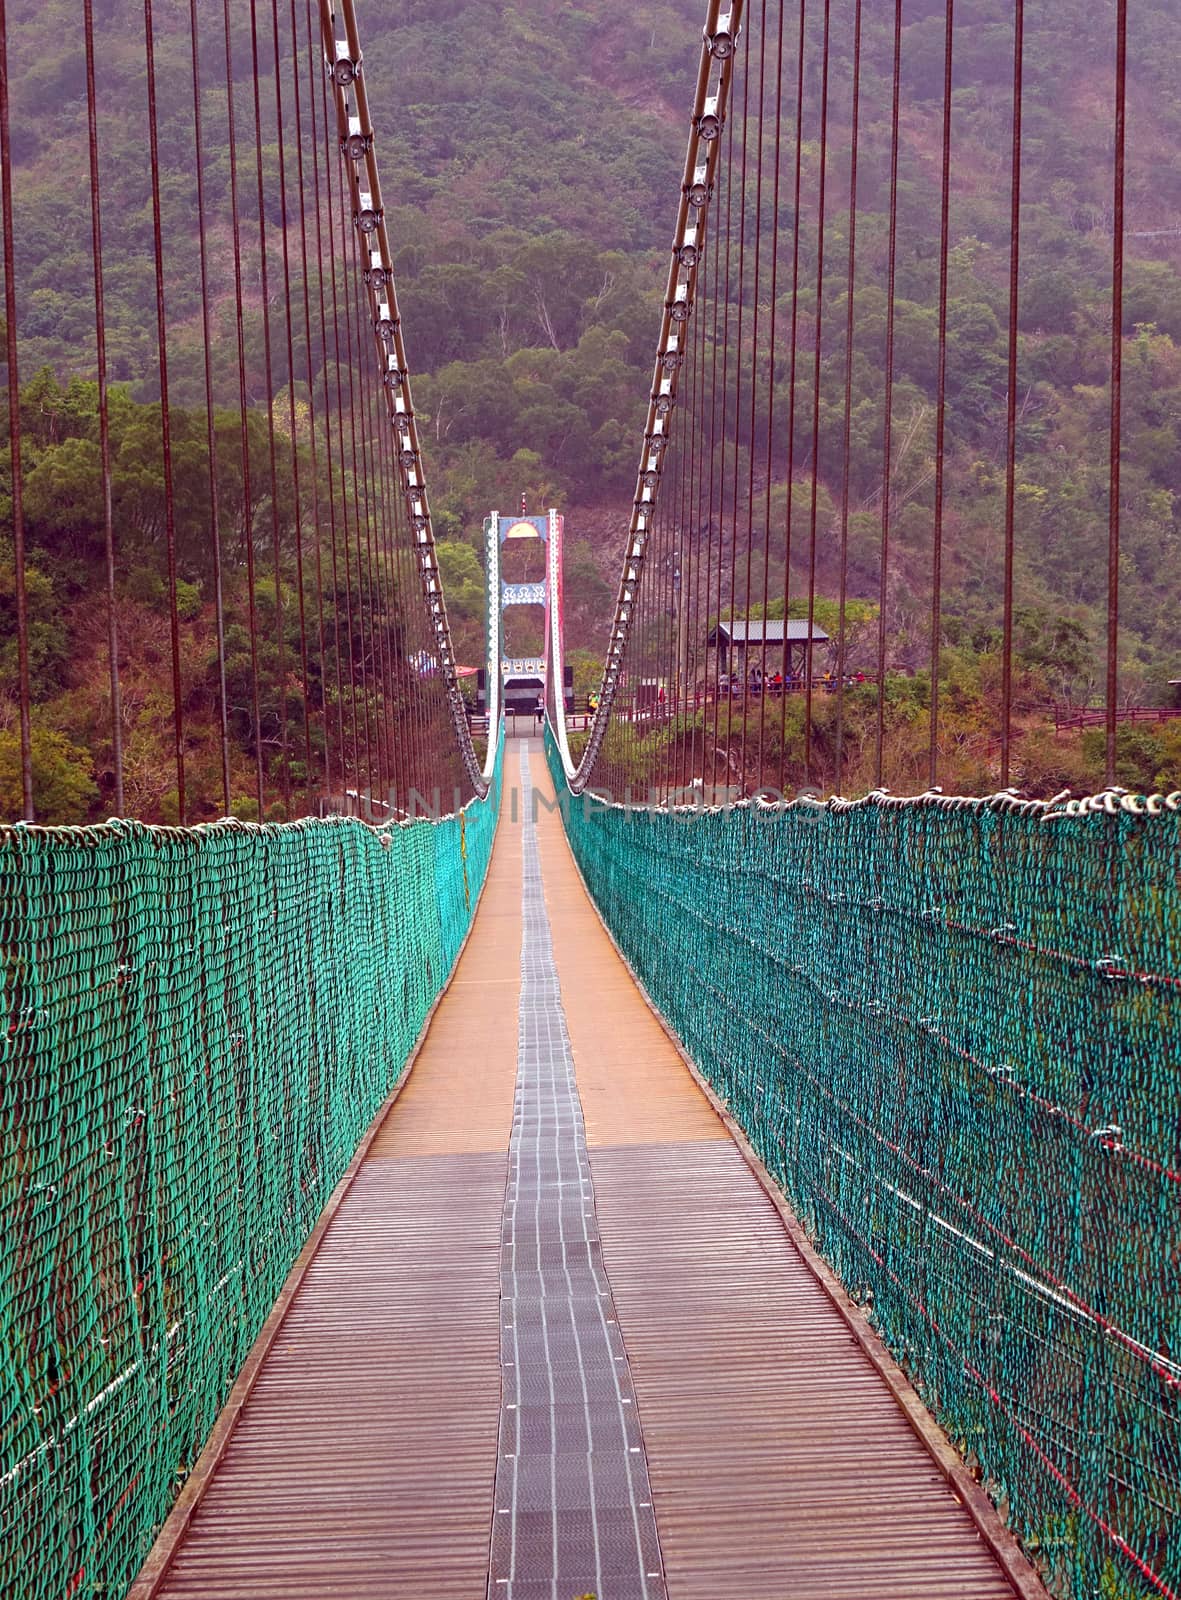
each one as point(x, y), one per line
point(530, 157)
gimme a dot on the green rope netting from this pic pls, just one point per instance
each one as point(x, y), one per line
point(201, 1025)
point(953, 1034)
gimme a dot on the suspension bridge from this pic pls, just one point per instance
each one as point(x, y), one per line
point(579, 1157)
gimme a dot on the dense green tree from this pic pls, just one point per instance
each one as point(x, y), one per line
point(63, 790)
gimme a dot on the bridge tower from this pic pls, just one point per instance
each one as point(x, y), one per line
point(523, 678)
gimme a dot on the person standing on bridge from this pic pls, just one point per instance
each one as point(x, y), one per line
point(539, 712)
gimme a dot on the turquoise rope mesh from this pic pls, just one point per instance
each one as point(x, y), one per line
point(954, 1037)
point(201, 1025)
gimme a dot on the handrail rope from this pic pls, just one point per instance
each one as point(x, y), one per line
point(714, 78)
point(1109, 802)
point(343, 57)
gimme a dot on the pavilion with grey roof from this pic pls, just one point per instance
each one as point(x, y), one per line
point(752, 640)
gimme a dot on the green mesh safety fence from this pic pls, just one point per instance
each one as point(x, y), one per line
point(953, 1034)
point(201, 1025)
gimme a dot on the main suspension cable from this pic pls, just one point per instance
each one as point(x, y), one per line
point(343, 51)
point(709, 110)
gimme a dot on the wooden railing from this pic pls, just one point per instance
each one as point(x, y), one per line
point(1092, 717)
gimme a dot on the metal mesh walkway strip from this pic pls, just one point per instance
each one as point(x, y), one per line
point(573, 1508)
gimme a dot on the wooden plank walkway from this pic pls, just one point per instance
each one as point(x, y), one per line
point(365, 1459)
